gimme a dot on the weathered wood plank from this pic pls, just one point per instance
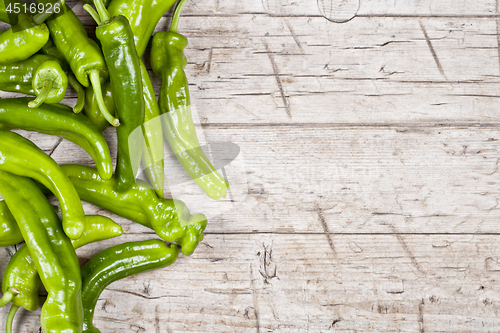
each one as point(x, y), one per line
point(340, 11)
point(348, 179)
point(281, 283)
point(371, 70)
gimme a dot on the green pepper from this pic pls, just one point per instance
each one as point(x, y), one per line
point(24, 39)
point(58, 120)
point(170, 219)
point(22, 157)
point(153, 156)
point(168, 61)
point(143, 16)
point(92, 108)
point(9, 231)
point(117, 42)
point(51, 251)
point(116, 263)
point(82, 53)
point(40, 75)
point(50, 49)
point(21, 274)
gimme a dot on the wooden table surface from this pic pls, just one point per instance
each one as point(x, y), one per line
point(370, 154)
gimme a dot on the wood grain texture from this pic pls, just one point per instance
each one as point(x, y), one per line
point(370, 154)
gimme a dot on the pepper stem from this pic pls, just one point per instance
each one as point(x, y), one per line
point(101, 9)
point(41, 17)
point(10, 318)
point(8, 296)
point(92, 13)
point(44, 93)
point(96, 84)
point(177, 14)
point(79, 90)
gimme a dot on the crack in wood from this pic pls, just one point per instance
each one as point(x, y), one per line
point(268, 268)
point(141, 295)
point(325, 228)
point(409, 253)
point(294, 35)
point(437, 125)
point(421, 316)
point(255, 301)
point(157, 320)
point(497, 21)
point(55, 146)
point(433, 52)
point(278, 79)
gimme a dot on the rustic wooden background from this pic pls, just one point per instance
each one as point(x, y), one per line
point(369, 131)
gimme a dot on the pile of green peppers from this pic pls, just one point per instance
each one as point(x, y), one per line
point(40, 55)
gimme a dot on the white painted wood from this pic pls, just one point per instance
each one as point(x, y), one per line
point(371, 160)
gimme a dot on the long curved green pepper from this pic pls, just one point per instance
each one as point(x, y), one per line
point(23, 158)
point(50, 49)
point(40, 75)
point(21, 275)
point(116, 263)
point(92, 108)
point(51, 251)
point(58, 120)
point(153, 156)
point(9, 231)
point(170, 219)
point(117, 42)
point(82, 53)
point(168, 61)
point(143, 16)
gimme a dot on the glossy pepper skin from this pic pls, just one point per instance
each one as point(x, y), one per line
point(23, 40)
point(21, 272)
point(143, 16)
point(82, 54)
point(23, 158)
point(153, 157)
point(168, 61)
point(51, 251)
point(117, 42)
point(116, 263)
point(170, 219)
point(50, 49)
point(58, 120)
point(9, 231)
point(39, 75)
point(92, 108)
